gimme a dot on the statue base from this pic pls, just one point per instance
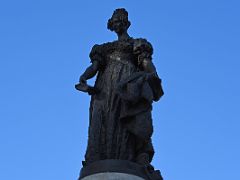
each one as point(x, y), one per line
point(118, 169)
point(112, 176)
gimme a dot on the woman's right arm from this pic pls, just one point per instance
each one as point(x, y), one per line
point(90, 72)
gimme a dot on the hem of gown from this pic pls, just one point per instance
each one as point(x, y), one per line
point(119, 166)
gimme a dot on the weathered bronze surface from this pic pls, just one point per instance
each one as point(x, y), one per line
point(127, 83)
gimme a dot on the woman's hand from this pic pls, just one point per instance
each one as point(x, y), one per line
point(83, 80)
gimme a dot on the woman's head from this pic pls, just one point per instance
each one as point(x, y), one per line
point(119, 21)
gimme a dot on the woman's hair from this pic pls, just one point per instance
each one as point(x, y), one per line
point(120, 14)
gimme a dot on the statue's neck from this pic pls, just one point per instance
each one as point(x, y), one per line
point(123, 36)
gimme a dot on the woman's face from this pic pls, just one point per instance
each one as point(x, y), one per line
point(119, 26)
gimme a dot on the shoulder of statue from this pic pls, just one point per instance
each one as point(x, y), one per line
point(141, 45)
point(99, 49)
point(99, 52)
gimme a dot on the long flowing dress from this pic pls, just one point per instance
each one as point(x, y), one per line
point(112, 130)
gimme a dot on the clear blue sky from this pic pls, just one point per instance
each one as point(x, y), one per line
point(44, 47)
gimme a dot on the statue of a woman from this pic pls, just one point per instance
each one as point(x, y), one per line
point(121, 99)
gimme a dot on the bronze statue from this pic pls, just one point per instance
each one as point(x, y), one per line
point(121, 99)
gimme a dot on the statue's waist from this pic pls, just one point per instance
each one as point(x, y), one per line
point(121, 57)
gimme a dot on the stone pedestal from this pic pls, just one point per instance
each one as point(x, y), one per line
point(118, 170)
point(112, 176)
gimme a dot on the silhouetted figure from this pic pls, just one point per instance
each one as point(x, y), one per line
point(121, 99)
